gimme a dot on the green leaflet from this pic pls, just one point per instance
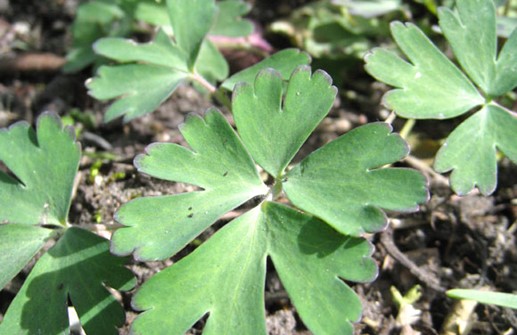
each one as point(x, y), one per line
point(229, 22)
point(77, 267)
point(225, 277)
point(218, 163)
point(18, 244)
point(432, 87)
point(470, 150)
point(189, 36)
point(284, 62)
point(135, 97)
point(343, 182)
point(274, 128)
point(41, 192)
point(471, 31)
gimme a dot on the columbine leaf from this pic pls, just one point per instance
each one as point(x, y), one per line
point(470, 150)
point(161, 51)
point(224, 277)
point(218, 163)
point(229, 20)
point(311, 258)
point(191, 21)
point(506, 71)
point(273, 129)
point(232, 264)
point(431, 87)
point(94, 20)
point(140, 87)
point(344, 183)
point(76, 268)
point(18, 244)
point(136, 99)
point(163, 64)
point(211, 64)
point(44, 167)
point(471, 31)
point(284, 62)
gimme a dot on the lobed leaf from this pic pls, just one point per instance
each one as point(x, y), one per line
point(344, 183)
point(472, 33)
point(274, 127)
point(162, 51)
point(285, 62)
point(191, 21)
point(312, 259)
point(225, 277)
point(162, 64)
point(130, 83)
point(229, 22)
point(43, 167)
point(18, 244)
point(218, 163)
point(470, 150)
point(76, 268)
point(431, 86)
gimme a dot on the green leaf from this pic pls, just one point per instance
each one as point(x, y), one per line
point(131, 84)
point(229, 20)
point(506, 71)
point(431, 87)
point(492, 298)
point(312, 259)
point(211, 64)
point(191, 21)
point(76, 268)
point(471, 31)
point(43, 166)
point(218, 163)
point(274, 127)
point(18, 244)
point(344, 183)
point(470, 150)
point(94, 19)
point(162, 64)
point(369, 8)
point(162, 51)
point(284, 62)
point(225, 277)
point(153, 13)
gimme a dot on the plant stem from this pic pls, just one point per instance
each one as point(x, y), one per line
point(216, 93)
point(406, 129)
point(203, 82)
point(391, 118)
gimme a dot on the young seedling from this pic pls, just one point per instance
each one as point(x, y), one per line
point(335, 194)
point(430, 86)
point(154, 70)
point(35, 200)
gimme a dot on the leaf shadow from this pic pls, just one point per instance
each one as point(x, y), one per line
point(317, 237)
point(80, 281)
